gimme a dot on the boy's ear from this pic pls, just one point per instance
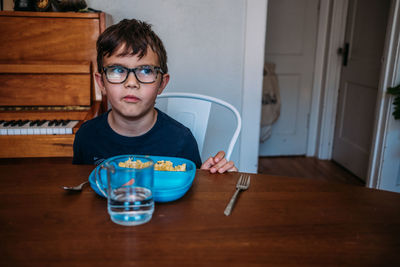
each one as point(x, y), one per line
point(164, 83)
point(99, 80)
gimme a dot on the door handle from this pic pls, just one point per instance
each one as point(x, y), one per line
point(344, 51)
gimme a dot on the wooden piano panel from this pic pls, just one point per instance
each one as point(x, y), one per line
point(54, 36)
point(47, 59)
point(83, 115)
point(14, 92)
point(18, 146)
point(45, 84)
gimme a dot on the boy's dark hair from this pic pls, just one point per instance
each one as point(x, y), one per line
point(136, 35)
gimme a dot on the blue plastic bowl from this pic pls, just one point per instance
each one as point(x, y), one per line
point(168, 185)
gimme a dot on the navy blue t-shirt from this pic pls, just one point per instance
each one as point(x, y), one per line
point(95, 141)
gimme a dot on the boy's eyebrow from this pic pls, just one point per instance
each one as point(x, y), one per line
point(122, 65)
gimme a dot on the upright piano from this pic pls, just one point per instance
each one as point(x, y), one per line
point(47, 89)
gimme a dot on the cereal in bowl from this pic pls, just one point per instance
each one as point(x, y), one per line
point(137, 164)
point(166, 165)
point(161, 165)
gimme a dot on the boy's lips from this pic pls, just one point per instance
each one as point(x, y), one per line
point(131, 99)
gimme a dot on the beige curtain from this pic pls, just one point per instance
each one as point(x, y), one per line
point(271, 101)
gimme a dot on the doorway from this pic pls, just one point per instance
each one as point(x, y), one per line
point(291, 44)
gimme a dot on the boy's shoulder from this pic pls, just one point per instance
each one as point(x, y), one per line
point(95, 123)
point(166, 121)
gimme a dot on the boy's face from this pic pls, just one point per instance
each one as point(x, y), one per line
point(132, 99)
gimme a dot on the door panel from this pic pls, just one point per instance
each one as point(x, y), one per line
point(290, 44)
point(365, 34)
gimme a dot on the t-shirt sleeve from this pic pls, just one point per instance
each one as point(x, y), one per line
point(78, 157)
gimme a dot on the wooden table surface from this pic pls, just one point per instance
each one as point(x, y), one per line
point(278, 221)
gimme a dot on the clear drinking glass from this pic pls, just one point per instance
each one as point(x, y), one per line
point(129, 190)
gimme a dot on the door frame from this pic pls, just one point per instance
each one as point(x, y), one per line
point(254, 47)
point(389, 76)
point(332, 14)
point(337, 11)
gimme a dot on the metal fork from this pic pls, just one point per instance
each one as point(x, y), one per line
point(242, 184)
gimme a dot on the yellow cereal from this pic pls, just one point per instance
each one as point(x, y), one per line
point(161, 165)
point(137, 164)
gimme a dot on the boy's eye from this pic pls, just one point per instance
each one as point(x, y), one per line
point(146, 70)
point(117, 70)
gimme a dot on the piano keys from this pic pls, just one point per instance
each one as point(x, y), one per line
point(32, 127)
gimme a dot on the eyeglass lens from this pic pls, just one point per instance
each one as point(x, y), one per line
point(144, 74)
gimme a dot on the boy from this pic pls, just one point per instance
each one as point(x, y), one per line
point(132, 71)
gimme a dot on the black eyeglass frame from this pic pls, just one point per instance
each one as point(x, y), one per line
point(158, 69)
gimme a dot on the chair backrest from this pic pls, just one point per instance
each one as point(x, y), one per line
point(194, 113)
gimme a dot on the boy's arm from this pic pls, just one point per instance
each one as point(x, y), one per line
point(218, 163)
point(77, 158)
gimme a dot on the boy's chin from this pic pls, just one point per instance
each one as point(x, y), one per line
point(134, 114)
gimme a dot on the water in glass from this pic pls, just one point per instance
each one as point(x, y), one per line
point(131, 206)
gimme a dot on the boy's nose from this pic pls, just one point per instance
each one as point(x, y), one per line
point(131, 81)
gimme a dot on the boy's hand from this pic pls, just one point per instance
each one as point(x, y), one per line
point(218, 163)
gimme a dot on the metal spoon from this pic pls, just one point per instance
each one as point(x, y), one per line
point(75, 188)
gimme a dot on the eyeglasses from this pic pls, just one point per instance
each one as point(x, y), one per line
point(119, 74)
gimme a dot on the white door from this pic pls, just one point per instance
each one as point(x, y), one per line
point(364, 41)
point(290, 45)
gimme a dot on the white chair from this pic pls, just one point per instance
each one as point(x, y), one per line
point(194, 113)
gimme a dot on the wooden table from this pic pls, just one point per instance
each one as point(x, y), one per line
point(278, 221)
